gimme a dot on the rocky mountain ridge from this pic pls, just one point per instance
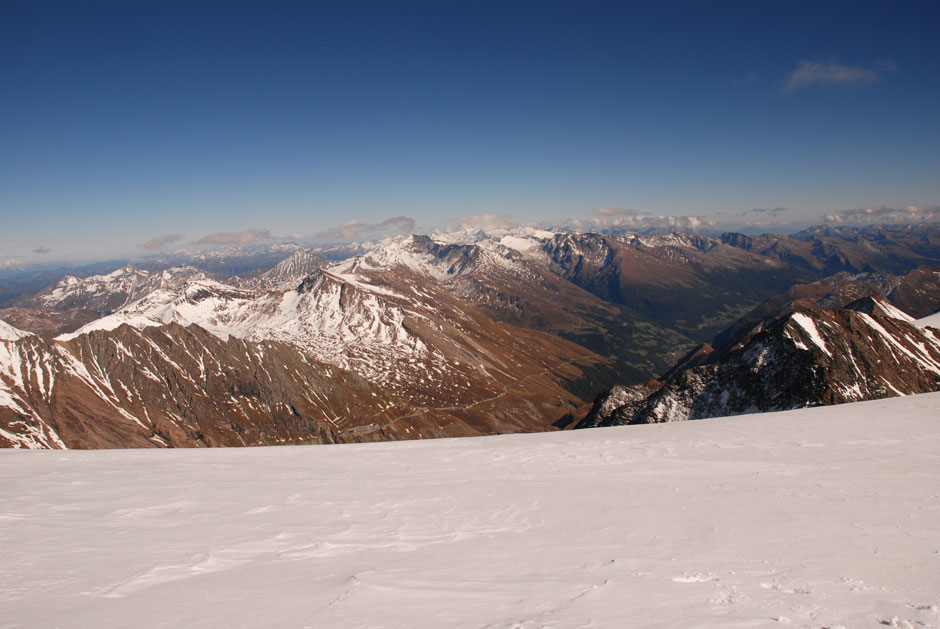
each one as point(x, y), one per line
point(808, 358)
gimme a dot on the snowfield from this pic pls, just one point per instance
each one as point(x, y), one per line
point(811, 518)
point(931, 320)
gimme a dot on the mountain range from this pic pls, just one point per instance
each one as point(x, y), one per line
point(465, 333)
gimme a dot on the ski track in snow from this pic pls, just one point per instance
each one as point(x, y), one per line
point(819, 517)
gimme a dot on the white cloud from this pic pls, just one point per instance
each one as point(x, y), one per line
point(161, 241)
point(809, 73)
point(485, 221)
point(355, 229)
point(615, 211)
point(235, 238)
point(619, 218)
point(773, 212)
point(869, 215)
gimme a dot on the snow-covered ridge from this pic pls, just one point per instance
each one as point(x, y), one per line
point(473, 235)
point(439, 259)
point(113, 290)
point(301, 263)
point(126, 278)
point(213, 305)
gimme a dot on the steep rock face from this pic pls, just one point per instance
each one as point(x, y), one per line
point(879, 308)
point(611, 405)
point(809, 358)
point(688, 283)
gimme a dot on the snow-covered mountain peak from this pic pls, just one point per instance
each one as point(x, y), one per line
point(461, 236)
point(112, 291)
point(526, 243)
point(472, 235)
point(420, 254)
point(177, 275)
point(123, 280)
point(681, 240)
point(201, 289)
point(211, 304)
point(300, 264)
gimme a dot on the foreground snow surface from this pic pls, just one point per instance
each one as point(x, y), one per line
point(817, 518)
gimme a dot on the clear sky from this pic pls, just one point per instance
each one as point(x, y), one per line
point(133, 122)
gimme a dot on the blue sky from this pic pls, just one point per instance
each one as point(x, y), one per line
point(129, 122)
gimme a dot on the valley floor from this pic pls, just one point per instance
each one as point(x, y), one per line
point(815, 518)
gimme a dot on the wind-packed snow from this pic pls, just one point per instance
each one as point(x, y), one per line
point(819, 517)
point(930, 320)
point(9, 333)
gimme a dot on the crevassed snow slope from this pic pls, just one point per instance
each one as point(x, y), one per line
point(814, 518)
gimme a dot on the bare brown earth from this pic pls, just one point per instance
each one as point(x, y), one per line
point(183, 387)
point(48, 323)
